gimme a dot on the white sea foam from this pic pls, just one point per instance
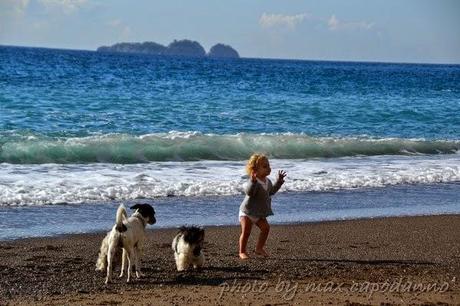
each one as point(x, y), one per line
point(81, 183)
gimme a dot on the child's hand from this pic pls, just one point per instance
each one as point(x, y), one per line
point(253, 176)
point(281, 175)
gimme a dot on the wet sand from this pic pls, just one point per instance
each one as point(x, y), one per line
point(405, 260)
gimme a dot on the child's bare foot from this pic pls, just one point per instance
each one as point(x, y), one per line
point(244, 256)
point(261, 253)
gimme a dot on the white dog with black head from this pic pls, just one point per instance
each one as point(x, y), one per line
point(127, 235)
point(188, 247)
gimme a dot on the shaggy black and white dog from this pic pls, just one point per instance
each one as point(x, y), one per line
point(126, 239)
point(188, 247)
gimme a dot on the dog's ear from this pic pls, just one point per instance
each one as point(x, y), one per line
point(137, 206)
point(183, 229)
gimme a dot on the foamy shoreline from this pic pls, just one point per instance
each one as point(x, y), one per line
point(289, 207)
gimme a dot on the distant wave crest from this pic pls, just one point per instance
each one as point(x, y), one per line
point(194, 146)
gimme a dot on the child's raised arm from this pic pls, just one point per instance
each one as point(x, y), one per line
point(281, 175)
point(279, 181)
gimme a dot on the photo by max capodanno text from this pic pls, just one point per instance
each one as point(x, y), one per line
point(288, 289)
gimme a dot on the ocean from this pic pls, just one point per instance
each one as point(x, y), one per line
point(82, 132)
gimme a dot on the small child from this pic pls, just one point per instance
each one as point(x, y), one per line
point(256, 206)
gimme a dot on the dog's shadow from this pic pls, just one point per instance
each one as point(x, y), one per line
point(203, 276)
point(196, 279)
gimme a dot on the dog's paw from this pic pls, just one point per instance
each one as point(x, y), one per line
point(100, 266)
point(121, 274)
point(139, 274)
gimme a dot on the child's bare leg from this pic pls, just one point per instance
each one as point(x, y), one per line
point(264, 230)
point(246, 226)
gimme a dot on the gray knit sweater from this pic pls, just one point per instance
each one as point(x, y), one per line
point(258, 202)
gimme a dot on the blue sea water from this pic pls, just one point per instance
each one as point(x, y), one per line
point(82, 128)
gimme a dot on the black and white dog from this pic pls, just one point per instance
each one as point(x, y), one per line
point(127, 235)
point(188, 247)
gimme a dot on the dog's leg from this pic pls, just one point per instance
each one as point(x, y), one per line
point(131, 261)
point(181, 262)
point(123, 263)
point(199, 262)
point(138, 251)
point(101, 264)
point(137, 268)
point(110, 254)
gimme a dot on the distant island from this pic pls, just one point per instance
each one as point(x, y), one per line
point(183, 48)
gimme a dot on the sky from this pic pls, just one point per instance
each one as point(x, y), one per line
point(421, 31)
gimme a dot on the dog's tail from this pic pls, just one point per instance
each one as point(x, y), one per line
point(122, 215)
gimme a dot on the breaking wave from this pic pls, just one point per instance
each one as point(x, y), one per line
point(194, 146)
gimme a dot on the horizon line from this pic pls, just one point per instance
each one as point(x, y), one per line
point(263, 58)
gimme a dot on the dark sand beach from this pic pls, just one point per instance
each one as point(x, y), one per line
point(404, 260)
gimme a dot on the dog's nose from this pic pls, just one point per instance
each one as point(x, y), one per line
point(197, 251)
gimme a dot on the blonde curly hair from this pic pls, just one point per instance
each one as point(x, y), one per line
point(254, 162)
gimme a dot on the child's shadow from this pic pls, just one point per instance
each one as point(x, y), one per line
point(362, 262)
